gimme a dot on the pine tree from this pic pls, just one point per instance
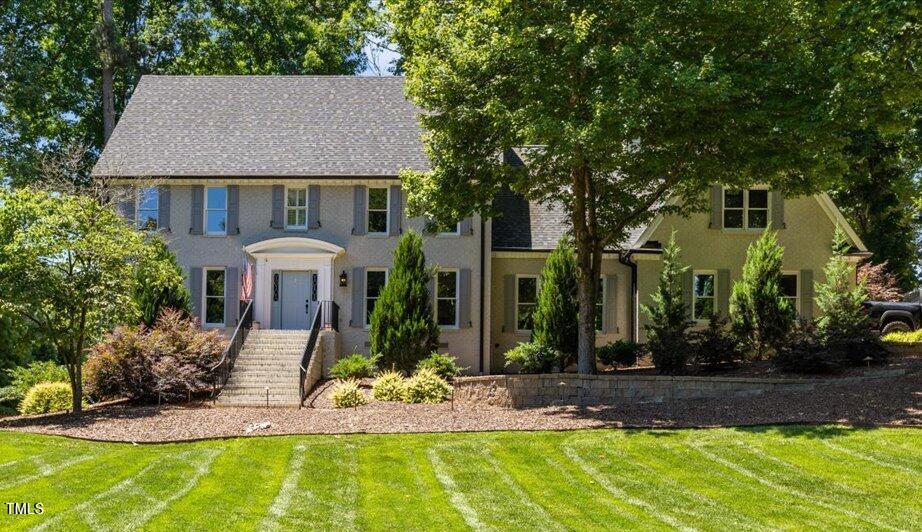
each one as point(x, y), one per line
point(667, 338)
point(556, 317)
point(403, 330)
point(761, 317)
point(160, 283)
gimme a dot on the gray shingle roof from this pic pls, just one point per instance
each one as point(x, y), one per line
point(248, 126)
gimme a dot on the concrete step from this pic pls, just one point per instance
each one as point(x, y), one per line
point(266, 380)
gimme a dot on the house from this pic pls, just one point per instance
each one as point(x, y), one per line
point(285, 190)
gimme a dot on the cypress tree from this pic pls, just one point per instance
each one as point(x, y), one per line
point(403, 330)
point(667, 329)
point(556, 317)
point(159, 283)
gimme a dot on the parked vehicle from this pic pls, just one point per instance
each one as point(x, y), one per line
point(892, 316)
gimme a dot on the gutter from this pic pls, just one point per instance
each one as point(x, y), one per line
point(625, 258)
point(483, 253)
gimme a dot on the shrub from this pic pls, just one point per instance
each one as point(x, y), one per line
point(354, 366)
point(445, 366)
point(388, 386)
point(159, 283)
point(881, 284)
point(556, 315)
point(25, 377)
point(803, 351)
point(714, 347)
point(403, 330)
point(533, 357)
point(900, 337)
point(667, 330)
point(621, 353)
point(348, 394)
point(425, 386)
point(164, 363)
point(47, 397)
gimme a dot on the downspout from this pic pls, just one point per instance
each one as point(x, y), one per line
point(625, 258)
point(482, 290)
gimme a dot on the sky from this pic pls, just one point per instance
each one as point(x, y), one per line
point(380, 56)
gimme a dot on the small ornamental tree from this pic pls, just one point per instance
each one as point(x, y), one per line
point(403, 330)
point(761, 317)
point(556, 317)
point(667, 338)
point(160, 283)
point(880, 283)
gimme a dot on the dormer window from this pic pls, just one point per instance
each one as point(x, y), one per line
point(746, 209)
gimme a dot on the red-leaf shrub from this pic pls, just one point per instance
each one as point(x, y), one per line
point(880, 283)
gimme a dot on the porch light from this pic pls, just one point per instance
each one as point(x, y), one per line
point(343, 279)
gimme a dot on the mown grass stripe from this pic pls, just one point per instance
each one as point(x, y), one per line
point(283, 498)
point(46, 471)
point(548, 521)
point(455, 495)
point(889, 464)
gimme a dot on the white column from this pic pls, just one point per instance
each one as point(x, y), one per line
point(325, 280)
point(261, 293)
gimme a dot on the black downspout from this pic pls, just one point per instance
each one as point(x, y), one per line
point(626, 260)
point(482, 291)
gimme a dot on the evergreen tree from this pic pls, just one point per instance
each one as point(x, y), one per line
point(667, 338)
point(556, 316)
point(160, 283)
point(403, 330)
point(760, 316)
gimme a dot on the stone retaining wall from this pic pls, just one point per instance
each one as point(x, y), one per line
point(570, 389)
point(904, 350)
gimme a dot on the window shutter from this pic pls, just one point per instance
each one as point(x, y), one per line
point(358, 219)
point(278, 207)
point(806, 294)
point(126, 207)
point(396, 211)
point(688, 282)
point(777, 204)
point(195, 285)
point(509, 303)
point(430, 287)
point(233, 209)
point(467, 227)
point(723, 293)
point(464, 298)
point(198, 212)
point(163, 193)
point(610, 305)
point(313, 207)
point(717, 205)
point(358, 297)
point(231, 297)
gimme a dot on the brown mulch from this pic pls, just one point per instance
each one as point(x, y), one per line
point(889, 401)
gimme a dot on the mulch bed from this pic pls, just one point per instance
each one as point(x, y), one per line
point(885, 401)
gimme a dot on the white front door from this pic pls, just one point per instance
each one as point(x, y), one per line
point(295, 301)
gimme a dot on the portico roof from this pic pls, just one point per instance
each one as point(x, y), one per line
point(292, 246)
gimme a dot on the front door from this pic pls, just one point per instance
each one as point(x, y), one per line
point(295, 302)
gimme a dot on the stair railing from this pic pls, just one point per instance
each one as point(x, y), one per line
point(221, 371)
point(325, 317)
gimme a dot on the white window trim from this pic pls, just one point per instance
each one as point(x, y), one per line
point(796, 290)
point(206, 324)
point(601, 311)
point(537, 279)
point(695, 297)
point(456, 298)
point(306, 208)
point(387, 209)
point(137, 208)
point(745, 209)
point(387, 275)
point(206, 209)
point(450, 234)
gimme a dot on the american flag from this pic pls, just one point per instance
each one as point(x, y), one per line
point(246, 281)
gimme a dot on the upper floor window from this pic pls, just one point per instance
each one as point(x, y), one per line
point(377, 210)
point(296, 208)
point(148, 208)
point(746, 209)
point(214, 297)
point(526, 298)
point(446, 298)
point(450, 230)
point(599, 303)
point(216, 211)
point(705, 296)
point(374, 283)
point(790, 289)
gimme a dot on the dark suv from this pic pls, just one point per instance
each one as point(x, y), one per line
point(891, 316)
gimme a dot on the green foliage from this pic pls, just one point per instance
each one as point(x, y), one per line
point(668, 323)
point(159, 283)
point(901, 337)
point(556, 316)
point(23, 378)
point(445, 366)
point(621, 353)
point(348, 394)
point(354, 366)
point(388, 386)
point(803, 351)
point(16, 342)
point(46, 397)
point(532, 357)
point(426, 386)
point(761, 317)
point(713, 346)
point(403, 330)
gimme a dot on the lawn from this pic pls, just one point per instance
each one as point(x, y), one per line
point(759, 478)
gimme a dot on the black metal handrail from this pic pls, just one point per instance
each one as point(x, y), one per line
point(325, 317)
point(222, 370)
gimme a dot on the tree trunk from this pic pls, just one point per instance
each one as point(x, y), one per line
point(589, 266)
point(107, 55)
point(75, 373)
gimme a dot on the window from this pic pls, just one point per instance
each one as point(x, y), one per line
point(704, 292)
point(296, 208)
point(446, 298)
point(526, 297)
point(746, 209)
point(148, 208)
point(216, 211)
point(790, 289)
point(599, 303)
point(374, 282)
point(214, 297)
point(451, 230)
point(377, 211)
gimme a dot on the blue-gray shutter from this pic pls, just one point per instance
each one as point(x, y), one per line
point(806, 294)
point(358, 297)
point(396, 211)
point(723, 293)
point(777, 204)
point(163, 207)
point(717, 205)
point(509, 324)
point(358, 210)
point(430, 288)
point(688, 287)
point(313, 207)
point(467, 227)
point(195, 289)
point(231, 296)
point(610, 305)
point(198, 212)
point(464, 299)
point(278, 207)
point(233, 209)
